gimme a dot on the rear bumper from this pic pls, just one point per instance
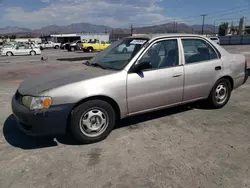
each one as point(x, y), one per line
point(246, 76)
point(52, 121)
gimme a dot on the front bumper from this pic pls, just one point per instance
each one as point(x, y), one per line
point(52, 121)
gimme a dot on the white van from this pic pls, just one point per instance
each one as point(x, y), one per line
point(215, 39)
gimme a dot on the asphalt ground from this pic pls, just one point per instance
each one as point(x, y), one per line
point(181, 147)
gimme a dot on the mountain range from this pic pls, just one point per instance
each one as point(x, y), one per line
point(92, 28)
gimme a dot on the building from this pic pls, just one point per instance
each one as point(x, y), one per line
point(242, 26)
point(62, 38)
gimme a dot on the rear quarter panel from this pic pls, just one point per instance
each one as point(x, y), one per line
point(234, 66)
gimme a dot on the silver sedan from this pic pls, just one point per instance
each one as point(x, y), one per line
point(160, 72)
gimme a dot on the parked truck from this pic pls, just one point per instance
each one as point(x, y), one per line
point(94, 45)
point(50, 44)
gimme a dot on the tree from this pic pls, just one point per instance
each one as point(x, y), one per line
point(13, 37)
point(223, 28)
point(247, 29)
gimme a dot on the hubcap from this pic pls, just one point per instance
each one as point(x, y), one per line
point(93, 123)
point(221, 93)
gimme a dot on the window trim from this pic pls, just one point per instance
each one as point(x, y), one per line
point(149, 46)
point(207, 42)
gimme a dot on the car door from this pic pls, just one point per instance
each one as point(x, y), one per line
point(20, 50)
point(203, 67)
point(162, 84)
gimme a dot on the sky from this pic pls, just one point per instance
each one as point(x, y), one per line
point(119, 13)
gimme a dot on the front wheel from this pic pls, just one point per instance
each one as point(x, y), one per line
point(9, 54)
point(220, 94)
point(92, 121)
point(90, 49)
point(56, 47)
point(32, 53)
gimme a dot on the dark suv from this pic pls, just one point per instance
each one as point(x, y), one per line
point(75, 45)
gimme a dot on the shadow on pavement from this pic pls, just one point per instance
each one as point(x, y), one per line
point(133, 120)
point(17, 138)
point(75, 59)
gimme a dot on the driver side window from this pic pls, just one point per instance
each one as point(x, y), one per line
point(162, 54)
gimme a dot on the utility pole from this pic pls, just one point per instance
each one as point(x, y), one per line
point(203, 20)
point(131, 30)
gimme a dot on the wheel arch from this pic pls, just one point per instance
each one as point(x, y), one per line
point(107, 99)
point(230, 80)
point(9, 52)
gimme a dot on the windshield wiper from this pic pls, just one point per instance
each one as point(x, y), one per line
point(94, 65)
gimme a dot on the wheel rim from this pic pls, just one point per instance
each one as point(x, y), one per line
point(32, 53)
point(93, 123)
point(9, 54)
point(221, 93)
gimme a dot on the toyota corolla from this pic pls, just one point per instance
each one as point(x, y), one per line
point(159, 72)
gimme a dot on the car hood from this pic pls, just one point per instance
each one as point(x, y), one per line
point(36, 84)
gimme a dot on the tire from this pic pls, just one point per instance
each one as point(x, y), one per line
point(96, 111)
point(220, 94)
point(32, 53)
point(124, 50)
point(56, 47)
point(90, 49)
point(9, 54)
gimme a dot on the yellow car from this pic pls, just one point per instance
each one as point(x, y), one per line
point(95, 45)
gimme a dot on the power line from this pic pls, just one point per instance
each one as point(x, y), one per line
point(211, 15)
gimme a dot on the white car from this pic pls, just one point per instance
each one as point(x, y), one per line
point(20, 50)
point(50, 44)
point(215, 39)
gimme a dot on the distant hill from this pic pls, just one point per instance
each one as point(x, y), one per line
point(72, 28)
point(170, 27)
point(7, 30)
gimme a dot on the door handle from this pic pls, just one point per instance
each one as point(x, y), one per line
point(177, 75)
point(217, 68)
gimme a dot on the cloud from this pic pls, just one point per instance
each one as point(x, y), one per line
point(115, 13)
point(45, 1)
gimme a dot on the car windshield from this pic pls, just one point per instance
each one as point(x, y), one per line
point(119, 53)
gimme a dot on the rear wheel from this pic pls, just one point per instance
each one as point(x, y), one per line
point(72, 49)
point(92, 121)
point(220, 94)
point(56, 47)
point(9, 54)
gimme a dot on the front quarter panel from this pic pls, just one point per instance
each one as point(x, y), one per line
point(112, 86)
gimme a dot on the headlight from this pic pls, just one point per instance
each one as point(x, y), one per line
point(36, 103)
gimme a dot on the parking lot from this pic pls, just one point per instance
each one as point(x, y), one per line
point(181, 147)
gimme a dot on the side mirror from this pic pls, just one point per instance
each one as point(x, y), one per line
point(141, 66)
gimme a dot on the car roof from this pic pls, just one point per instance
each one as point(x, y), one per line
point(156, 36)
